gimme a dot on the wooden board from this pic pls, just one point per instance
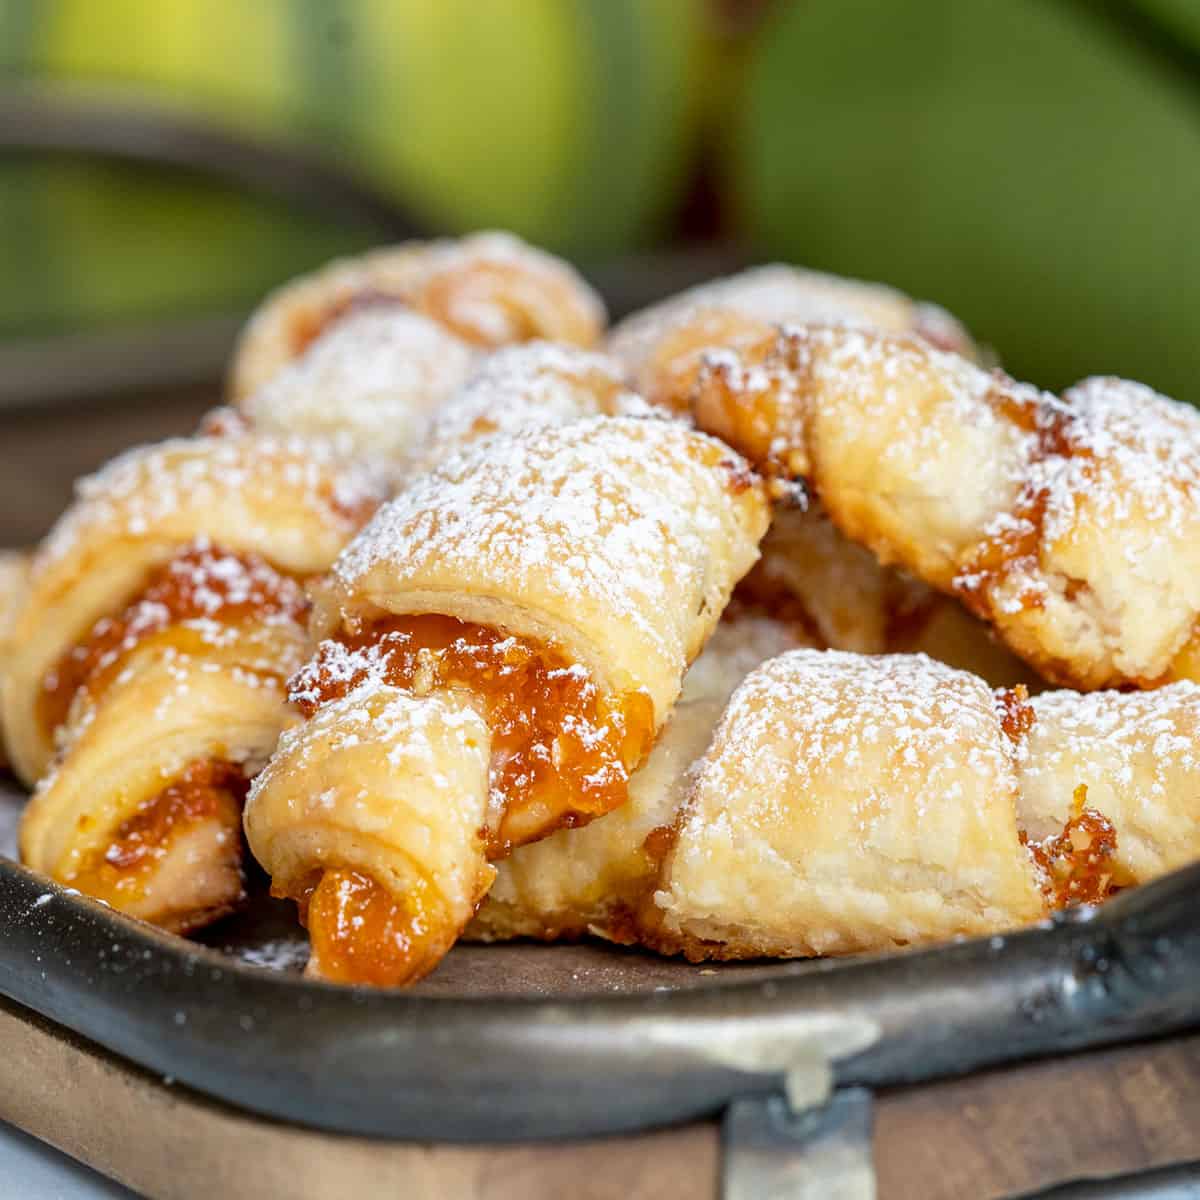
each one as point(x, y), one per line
point(993, 1135)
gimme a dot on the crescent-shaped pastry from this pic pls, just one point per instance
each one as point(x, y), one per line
point(1131, 756)
point(488, 289)
point(14, 576)
point(162, 617)
point(596, 879)
point(849, 803)
point(1071, 525)
point(661, 347)
point(369, 384)
point(821, 590)
point(532, 385)
point(562, 580)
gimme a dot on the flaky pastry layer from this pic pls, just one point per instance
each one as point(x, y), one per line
point(595, 879)
point(531, 386)
point(370, 383)
point(1072, 524)
point(488, 289)
point(661, 347)
point(292, 501)
point(616, 539)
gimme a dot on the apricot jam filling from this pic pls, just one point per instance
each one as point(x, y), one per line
point(203, 585)
point(1017, 545)
point(120, 870)
point(562, 753)
point(562, 750)
point(1077, 866)
point(361, 933)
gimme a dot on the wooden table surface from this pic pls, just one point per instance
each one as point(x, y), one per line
point(995, 1134)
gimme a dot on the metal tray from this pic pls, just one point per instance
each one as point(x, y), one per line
point(527, 1042)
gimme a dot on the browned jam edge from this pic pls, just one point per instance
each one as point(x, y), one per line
point(1077, 866)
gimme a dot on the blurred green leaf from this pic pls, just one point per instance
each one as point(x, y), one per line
point(84, 244)
point(1182, 17)
point(1018, 160)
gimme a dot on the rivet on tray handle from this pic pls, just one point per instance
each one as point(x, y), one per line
point(772, 1152)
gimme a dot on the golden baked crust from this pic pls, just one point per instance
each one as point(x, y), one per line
point(846, 804)
point(292, 501)
point(1072, 525)
point(150, 659)
point(1136, 755)
point(598, 556)
point(164, 712)
point(370, 384)
point(533, 385)
point(488, 289)
point(661, 346)
point(595, 879)
point(388, 784)
point(837, 589)
point(617, 539)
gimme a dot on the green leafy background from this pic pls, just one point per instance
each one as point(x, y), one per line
point(1032, 164)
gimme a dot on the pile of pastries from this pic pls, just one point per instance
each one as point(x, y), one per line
point(726, 632)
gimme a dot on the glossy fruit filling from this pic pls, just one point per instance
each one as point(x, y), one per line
point(1077, 866)
point(361, 932)
point(202, 586)
point(562, 753)
point(562, 749)
point(123, 870)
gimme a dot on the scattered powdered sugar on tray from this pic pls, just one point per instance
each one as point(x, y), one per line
point(280, 954)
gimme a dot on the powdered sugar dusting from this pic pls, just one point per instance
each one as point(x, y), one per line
point(913, 712)
point(535, 384)
point(143, 488)
point(619, 512)
point(880, 372)
point(370, 382)
point(1102, 545)
point(412, 728)
point(774, 294)
point(1147, 738)
point(1130, 453)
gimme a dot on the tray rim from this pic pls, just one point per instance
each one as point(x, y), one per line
point(519, 1068)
